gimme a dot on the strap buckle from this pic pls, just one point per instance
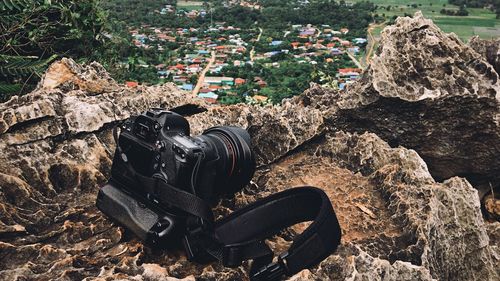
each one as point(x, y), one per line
point(234, 254)
point(273, 271)
point(193, 242)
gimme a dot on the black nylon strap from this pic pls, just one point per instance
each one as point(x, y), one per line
point(268, 216)
point(178, 198)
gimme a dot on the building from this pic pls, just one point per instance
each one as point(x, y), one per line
point(131, 84)
point(353, 50)
point(336, 52)
point(187, 87)
point(206, 90)
point(359, 41)
point(163, 73)
point(211, 80)
point(179, 79)
point(239, 81)
point(345, 43)
point(349, 72)
point(260, 82)
point(194, 68)
point(209, 97)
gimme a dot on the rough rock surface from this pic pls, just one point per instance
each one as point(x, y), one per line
point(428, 91)
point(398, 222)
point(490, 49)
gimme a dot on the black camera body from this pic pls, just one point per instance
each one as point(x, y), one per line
point(164, 181)
point(157, 146)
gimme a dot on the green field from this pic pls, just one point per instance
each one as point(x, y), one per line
point(189, 5)
point(480, 22)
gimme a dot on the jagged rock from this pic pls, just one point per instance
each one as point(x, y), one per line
point(428, 91)
point(490, 49)
point(398, 222)
point(275, 130)
point(69, 75)
point(417, 221)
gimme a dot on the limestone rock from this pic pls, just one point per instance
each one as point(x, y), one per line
point(428, 91)
point(66, 73)
point(417, 222)
point(275, 130)
point(490, 49)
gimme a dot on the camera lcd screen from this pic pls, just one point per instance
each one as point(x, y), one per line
point(141, 157)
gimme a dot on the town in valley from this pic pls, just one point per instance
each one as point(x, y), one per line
point(256, 51)
point(225, 63)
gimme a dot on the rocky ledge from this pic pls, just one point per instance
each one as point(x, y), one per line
point(396, 153)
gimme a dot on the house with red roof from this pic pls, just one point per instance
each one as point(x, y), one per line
point(239, 81)
point(194, 68)
point(352, 73)
point(131, 84)
point(206, 90)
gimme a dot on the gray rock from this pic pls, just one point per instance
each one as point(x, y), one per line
point(490, 49)
point(428, 91)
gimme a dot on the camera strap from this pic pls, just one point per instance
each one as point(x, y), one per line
point(241, 235)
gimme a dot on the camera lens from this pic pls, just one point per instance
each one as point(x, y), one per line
point(236, 164)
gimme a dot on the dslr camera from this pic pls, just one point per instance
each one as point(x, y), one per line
point(158, 165)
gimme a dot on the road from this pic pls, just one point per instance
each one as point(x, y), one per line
point(252, 52)
point(201, 78)
point(372, 42)
point(355, 60)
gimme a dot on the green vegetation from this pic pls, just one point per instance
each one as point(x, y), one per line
point(278, 15)
point(15, 69)
point(462, 12)
point(480, 21)
point(33, 33)
point(190, 5)
point(274, 15)
point(491, 4)
point(134, 13)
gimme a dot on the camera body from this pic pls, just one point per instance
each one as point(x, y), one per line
point(157, 145)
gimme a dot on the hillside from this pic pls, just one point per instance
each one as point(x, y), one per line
point(409, 155)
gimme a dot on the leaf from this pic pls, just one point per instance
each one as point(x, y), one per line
point(8, 89)
point(22, 66)
point(16, 5)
